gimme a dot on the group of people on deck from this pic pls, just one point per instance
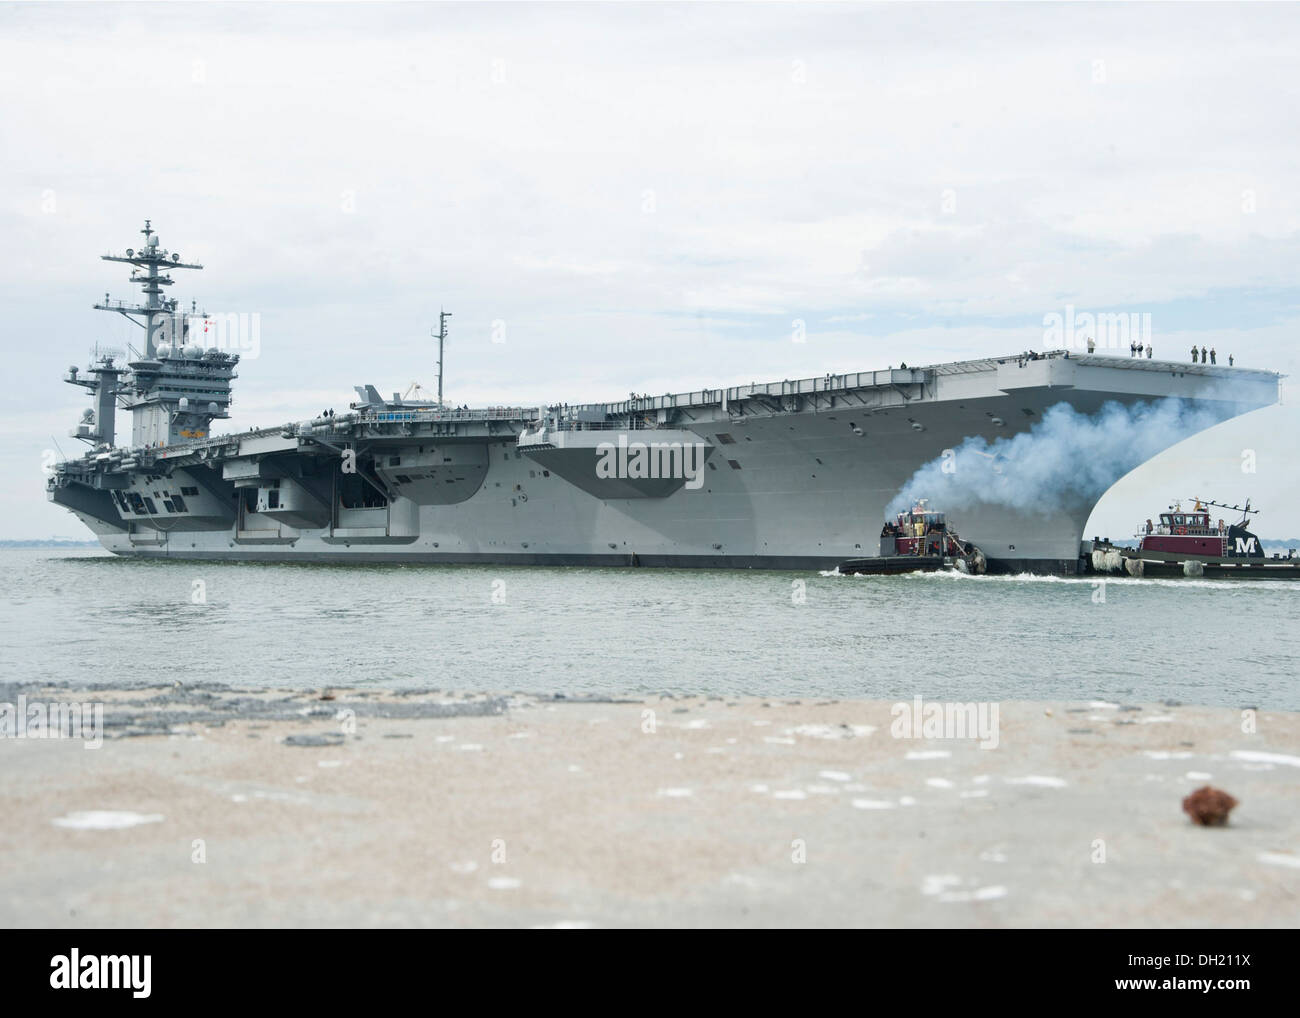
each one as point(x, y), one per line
point(1204, 358)
point(1200, 355)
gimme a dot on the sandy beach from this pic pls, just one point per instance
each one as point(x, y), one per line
point(213, 807)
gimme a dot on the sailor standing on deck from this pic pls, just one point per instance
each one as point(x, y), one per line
point(1203, 360)
point(1092, 345)
point(1149, 349)
point(1213, 357)
point(1195, 353)
point(1132, 349)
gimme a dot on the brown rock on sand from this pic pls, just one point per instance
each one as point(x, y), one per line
point(1209, 806)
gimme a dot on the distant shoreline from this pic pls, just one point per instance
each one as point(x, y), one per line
point(50, 543)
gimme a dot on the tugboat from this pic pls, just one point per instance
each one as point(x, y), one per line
point(920, 541)
point(1187, 543)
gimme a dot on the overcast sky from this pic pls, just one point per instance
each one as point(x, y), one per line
point(647, 197)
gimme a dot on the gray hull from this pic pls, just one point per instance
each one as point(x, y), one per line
point(798, 474)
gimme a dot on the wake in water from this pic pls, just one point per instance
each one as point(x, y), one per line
point(1065, 458)
point(1091, 581)
point(956, 576)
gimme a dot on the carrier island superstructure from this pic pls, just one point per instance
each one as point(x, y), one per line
point(784, 475)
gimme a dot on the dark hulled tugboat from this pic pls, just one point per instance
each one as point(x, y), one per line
point(1190, 543)
point(919, 541)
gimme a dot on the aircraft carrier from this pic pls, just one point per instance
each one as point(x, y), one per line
point(794, 474)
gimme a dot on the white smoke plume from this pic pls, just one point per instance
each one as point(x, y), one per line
point(1064, 458)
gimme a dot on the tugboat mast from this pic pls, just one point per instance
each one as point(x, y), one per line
point(1244, 510)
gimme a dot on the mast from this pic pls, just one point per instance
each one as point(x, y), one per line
point(1246, 511)
point(441, 334)
point(147, 261)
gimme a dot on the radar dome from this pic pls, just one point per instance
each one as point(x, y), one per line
point(193, 350)
point(164, 349)
point(184, 403)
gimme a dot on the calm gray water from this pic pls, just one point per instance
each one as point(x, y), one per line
point(90, 617)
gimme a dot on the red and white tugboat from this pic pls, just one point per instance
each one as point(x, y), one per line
point(1192, 543)
point(920, 541)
